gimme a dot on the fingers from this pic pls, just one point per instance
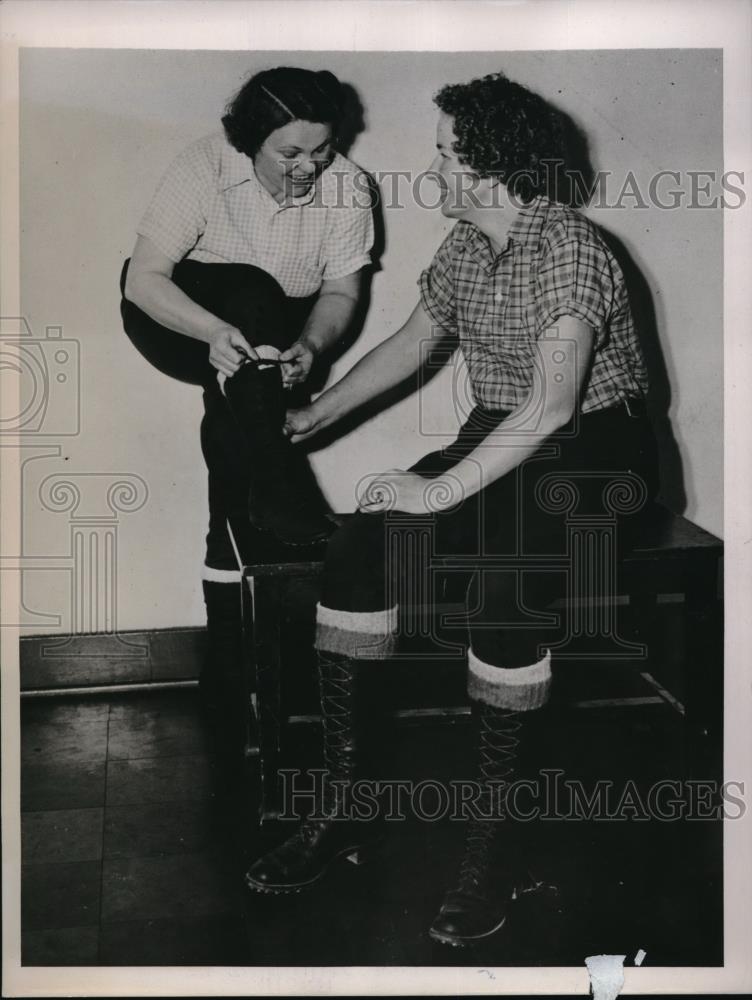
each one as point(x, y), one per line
point(296, 363)
point(225, 363)
point(229, 350)
point(292, 353)
point(241, 349)
point(297, 427)
point(375, 494)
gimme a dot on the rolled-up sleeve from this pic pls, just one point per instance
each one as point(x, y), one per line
point(176, 216)
point(437, 291)
point(575, 279)
point(349, 234)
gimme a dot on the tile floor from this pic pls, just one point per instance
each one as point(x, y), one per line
point(135, 842)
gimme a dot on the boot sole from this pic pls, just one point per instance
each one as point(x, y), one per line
point(355, 855)
point(463, 942)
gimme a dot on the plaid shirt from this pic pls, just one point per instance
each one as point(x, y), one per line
point(553, 264)
point(210, 206)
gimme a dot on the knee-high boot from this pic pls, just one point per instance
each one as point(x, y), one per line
point(330, 832)
point(221, 679)
point(284, 498)
point(490, 868)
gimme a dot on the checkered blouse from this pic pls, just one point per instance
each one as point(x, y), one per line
point(553, 264)
point(211, 207)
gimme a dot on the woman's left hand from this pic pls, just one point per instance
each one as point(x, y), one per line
point(397, 489)
point(296, 363)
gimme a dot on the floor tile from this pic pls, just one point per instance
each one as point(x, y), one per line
point(65, 946)
point(50, 784)
point(209, 941)
point(159, 780)
point(65, 710)
point(156, 727)
point(176, 849)
point(64, 732)
point(60, 895)
point(61, 835)
point(134, 831)
point(171, 886)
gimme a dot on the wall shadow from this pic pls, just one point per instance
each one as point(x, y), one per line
point(670, 466)
point(572, 182)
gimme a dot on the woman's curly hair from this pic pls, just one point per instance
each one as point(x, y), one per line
point(506, 131)
point(274, 98)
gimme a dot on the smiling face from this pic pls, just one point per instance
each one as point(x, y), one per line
point(292, 157)
point(464, 192)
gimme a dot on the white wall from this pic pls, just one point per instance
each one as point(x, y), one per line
point(98, 128)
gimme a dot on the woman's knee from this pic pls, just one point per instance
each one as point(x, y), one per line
point(354, 571)
point(254, 302)
point(507, 620)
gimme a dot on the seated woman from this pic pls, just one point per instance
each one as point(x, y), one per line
point(539, 308)
point(247, 266)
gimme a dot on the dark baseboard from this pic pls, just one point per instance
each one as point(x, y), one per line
point(142, 657)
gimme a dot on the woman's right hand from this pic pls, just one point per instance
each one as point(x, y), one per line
point(228, 349)
point(302, 424)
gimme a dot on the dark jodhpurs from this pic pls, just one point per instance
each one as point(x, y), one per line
point(576, 473)
point(251, 300)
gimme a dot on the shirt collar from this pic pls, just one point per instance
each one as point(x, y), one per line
point(237, 168)
point(525, 231)
point(528, 225)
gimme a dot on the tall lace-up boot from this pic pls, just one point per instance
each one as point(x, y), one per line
point(221, 679)
point(490, 867)
point(284, 498)
point(329, 832)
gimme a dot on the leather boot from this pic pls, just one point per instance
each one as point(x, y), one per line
point(489, 871)
point(283, 495)
point(221, 682)
point(328, 833)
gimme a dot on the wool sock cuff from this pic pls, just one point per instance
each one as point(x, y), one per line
point(519, 689)
point(359, 635)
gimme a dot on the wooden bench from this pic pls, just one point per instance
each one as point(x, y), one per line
point(672, 556)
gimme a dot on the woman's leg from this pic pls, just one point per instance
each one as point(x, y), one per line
point(509, 664)
point(252, 301)
point(356, 630)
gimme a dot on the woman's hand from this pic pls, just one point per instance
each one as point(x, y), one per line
point(296, 362)
point(228, 349)
point(397, 489)
point(301, 424)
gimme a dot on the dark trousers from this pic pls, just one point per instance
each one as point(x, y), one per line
point(375, 557)
point(251, 300)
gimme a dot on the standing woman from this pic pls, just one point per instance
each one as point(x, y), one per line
point(247, 266)
point(537, 304)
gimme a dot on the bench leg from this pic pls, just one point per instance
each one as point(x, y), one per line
point(252, 738)
point(266, 616)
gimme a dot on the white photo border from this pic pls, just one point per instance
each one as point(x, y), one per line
point(368, 25)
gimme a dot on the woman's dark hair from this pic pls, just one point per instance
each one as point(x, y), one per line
point(506, 131)
point(276, 97)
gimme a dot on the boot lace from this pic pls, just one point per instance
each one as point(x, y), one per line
point(497, 746)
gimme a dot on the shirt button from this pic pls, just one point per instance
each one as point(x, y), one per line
point(498, 297)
